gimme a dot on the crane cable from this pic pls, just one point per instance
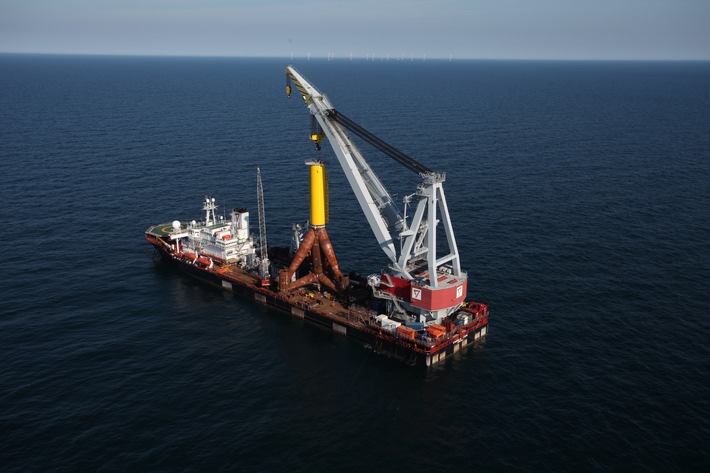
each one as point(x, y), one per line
point(378, 143)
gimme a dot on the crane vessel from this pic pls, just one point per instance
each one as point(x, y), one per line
point(415, 309)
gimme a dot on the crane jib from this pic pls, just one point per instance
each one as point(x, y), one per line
point(378, 143)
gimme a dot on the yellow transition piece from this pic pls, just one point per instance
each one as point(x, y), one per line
point(318, 200)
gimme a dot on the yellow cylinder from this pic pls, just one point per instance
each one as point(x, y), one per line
point(318, 207)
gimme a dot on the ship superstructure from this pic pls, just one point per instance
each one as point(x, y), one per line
point(212, 239)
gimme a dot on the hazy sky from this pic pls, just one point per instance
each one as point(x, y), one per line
point(503, 29)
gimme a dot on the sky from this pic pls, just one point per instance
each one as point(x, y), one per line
point(460, 29)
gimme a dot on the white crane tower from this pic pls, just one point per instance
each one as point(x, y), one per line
point(418, 284)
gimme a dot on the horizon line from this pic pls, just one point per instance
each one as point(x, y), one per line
point(329, 57)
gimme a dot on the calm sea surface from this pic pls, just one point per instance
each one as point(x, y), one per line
point(580, 196)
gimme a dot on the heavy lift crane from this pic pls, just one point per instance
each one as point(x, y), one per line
point(418, 285)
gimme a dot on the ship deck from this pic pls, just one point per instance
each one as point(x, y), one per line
point(163, 230)
point(318, 306)
point(304, 298)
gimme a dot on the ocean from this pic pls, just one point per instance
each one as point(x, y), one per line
point(579, 193)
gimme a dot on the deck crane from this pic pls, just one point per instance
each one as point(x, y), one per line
point(418, 285)
point(264, 259)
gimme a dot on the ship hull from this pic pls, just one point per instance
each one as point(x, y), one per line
point(379, 340)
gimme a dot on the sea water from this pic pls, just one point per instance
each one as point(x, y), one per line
point(579, 197)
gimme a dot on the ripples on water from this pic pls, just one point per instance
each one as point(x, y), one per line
point(579, 196)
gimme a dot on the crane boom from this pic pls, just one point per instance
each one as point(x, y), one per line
point(371, 194)
point(437, 285)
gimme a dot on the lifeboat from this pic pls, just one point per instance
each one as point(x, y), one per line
point(204, 261)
